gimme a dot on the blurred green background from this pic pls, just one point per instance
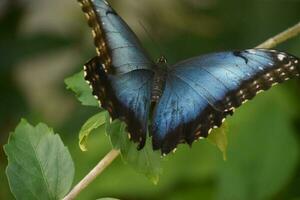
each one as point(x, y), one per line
point(42, 42)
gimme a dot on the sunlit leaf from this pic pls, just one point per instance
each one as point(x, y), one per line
point(219, 138)
point(145, 161)
point(78, 85)
point(39, 165)
point(90, 125)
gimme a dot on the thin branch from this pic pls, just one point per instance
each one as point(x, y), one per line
point(281, 37)
point(97, 170)
point(113, 154)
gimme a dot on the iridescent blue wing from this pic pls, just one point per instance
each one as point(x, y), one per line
point(121, 75)
point(201, 91)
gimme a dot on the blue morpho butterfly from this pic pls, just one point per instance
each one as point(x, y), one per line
point(183, 101)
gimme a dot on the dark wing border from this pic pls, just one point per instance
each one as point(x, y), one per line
point(98, 35)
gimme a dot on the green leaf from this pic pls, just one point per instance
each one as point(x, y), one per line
point(219, 138)
point(145, 161)
point(39, 165)
point(79, 86)
point(91, 124)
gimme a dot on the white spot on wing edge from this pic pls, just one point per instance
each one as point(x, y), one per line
point(288, 64)
point(282, 74)
point(274, 84)
point(245, 101)
point(281, 56)
point(259, 91)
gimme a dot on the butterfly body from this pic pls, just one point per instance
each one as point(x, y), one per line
point(184, 101)
point(159, 79)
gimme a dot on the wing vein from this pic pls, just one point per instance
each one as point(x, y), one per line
point(203, 97)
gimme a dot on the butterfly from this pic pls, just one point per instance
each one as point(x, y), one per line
point(177, 103)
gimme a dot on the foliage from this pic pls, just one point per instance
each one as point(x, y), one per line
point(39, 165)
point(92, 123)
point(145, 161)
point(78, 85)
point(219, 138)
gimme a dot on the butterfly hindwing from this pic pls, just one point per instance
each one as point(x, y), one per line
point(121, 75)
point(126, 96)
point(201, 91)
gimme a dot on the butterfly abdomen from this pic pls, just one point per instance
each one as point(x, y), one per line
point(158, 85)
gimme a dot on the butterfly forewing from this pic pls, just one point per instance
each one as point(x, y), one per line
point(117, 46)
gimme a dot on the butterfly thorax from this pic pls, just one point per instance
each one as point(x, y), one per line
point(159, 79)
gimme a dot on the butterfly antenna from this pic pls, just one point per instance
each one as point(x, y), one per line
point(152, 39)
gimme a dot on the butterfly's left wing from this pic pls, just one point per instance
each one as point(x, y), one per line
point(201, 91)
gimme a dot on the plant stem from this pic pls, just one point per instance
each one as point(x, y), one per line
point(98, 169)
point(281, 37)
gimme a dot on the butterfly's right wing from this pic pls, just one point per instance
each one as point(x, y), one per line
point(121, 75)
point(200, 92)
